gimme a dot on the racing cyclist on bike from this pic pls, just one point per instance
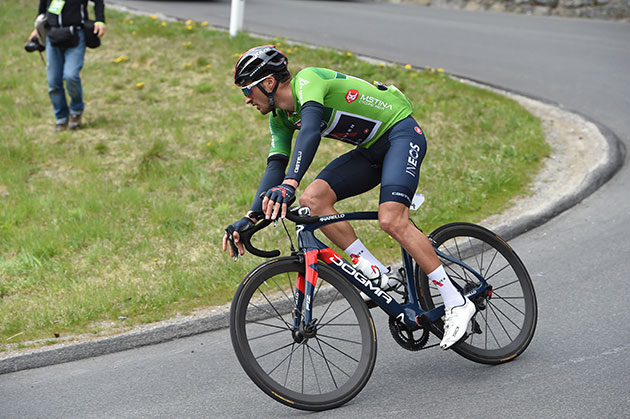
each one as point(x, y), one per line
point(390, 147)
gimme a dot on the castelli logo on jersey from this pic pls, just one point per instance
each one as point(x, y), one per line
point(352, 95)
point(418, 130)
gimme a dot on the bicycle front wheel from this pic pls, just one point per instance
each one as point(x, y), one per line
point(322, 370)
point(506, 319)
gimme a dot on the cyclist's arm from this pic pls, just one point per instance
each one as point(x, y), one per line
point(307, 140)
point(274, 174)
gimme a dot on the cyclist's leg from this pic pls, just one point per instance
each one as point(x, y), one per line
point(401, 168)
point(339, 180)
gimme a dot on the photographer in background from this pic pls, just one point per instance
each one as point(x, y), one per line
point(68, 23)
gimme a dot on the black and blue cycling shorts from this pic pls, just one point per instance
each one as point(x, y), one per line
point(393, 161)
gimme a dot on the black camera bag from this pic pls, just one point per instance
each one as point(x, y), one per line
point(91, 39)
point(64, 37)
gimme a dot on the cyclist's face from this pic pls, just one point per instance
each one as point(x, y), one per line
point(258, 99)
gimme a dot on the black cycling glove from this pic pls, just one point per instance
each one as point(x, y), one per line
point(243, 224)
point(282, 194)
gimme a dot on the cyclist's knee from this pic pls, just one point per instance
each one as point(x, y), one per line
point(393, 218)
point(318, 196)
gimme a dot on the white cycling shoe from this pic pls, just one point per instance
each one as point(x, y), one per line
point(384, 282)
point(456, 322)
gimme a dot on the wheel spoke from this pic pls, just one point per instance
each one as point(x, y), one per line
point(310, 355)
point(269, 334)
point(492, 309)
point(278, 315)
point(497, 309)
point(505, 300)
point(339, 339)
point(332, 376)
point(319, 339)
point(328, 361)
point(321, 325)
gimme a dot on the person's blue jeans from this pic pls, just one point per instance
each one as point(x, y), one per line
point(65, 64)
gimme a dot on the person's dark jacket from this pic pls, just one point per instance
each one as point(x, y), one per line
point(74, 12)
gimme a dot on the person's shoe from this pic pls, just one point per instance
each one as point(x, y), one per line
point(60, 127)
point(373, 273)
point(456, 322)
point(75, 121)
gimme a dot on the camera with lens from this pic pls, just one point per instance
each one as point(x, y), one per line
point(33, 45)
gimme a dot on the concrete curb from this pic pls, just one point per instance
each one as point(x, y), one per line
point(521, 218)
point(615, 157)
point(130, 340)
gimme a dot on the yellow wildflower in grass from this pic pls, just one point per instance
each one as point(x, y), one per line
point(140, 85)
point(208, 66)
point(153, 17)
point(163, 23)
point(440, 70)
point(189, 22)
point(134, 33)
point(155, 259)
point(407, 66)
point(349, 54)
point(382, 64)
point(120, 59)
point(187, 64)
point(204, 23)
point(237, 55)
point(189, 27)
point(125, 20)
point(186, 43)
point(289, 51)
point(210, 144)
point(130, 22)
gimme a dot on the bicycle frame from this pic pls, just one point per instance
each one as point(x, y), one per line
point(314, 250)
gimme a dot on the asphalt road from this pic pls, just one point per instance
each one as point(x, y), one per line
point(578, 364)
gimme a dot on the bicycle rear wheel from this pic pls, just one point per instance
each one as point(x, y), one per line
point(321, 371)
point(506, 319)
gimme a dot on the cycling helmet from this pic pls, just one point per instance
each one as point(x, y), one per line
point(259, 62)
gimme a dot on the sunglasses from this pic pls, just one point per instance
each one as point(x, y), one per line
point(247, 90)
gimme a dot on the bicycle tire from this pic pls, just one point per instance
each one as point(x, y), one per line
point(507, 319)
point(343, 349)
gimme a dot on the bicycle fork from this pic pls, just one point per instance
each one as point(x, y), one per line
point(303, 322)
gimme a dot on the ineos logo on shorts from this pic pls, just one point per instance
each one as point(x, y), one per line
point(352, 95)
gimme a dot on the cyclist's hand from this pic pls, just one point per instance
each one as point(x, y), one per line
point(232, 236)
point(276, 200)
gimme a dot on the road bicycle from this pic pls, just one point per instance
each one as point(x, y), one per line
point(305, 336)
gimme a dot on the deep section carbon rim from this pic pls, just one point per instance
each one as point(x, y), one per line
point(319, 369)
point(506, 319)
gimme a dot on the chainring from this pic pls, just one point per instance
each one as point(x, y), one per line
point(405, 336)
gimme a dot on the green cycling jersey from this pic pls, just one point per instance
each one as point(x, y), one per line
point(355, 111)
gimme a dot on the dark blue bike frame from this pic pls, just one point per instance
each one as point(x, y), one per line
point(313, 249)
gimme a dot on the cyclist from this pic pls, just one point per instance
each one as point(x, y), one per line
point(390, 147)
